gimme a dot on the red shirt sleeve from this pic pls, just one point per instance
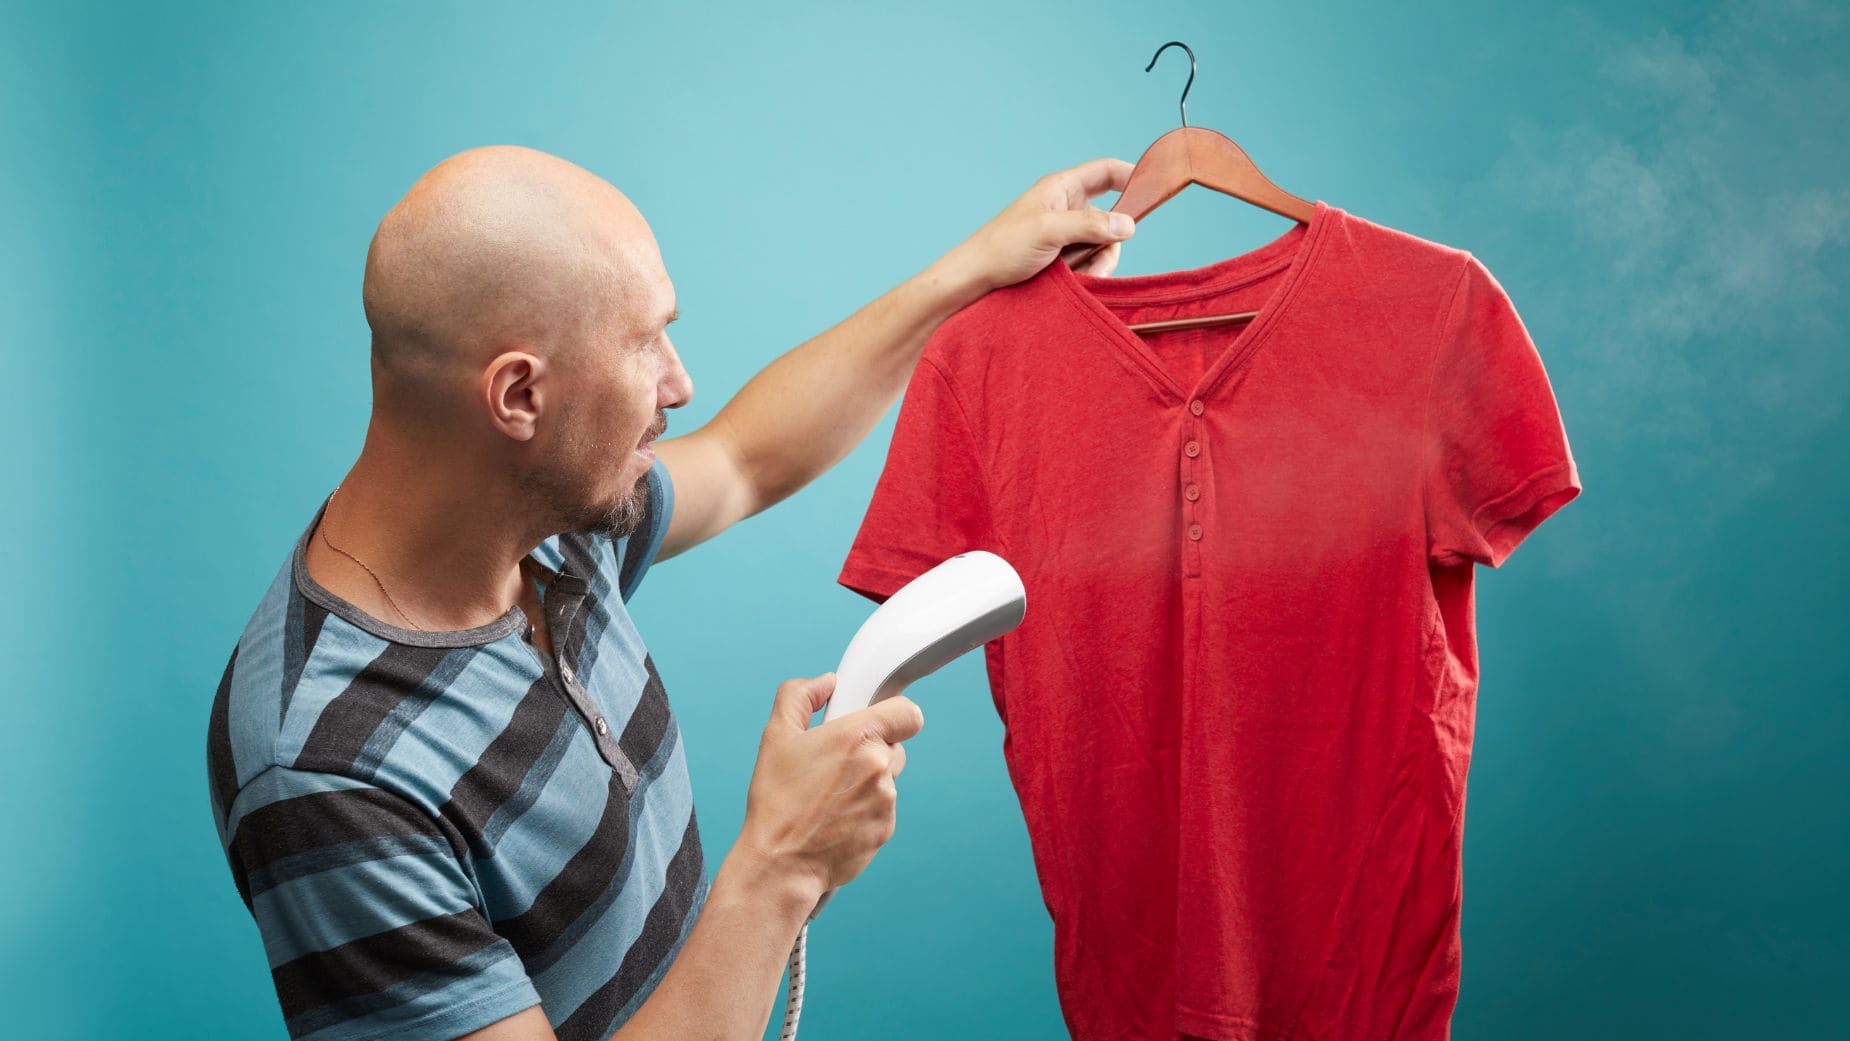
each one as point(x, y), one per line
point(1498, 459)
point(930, 503)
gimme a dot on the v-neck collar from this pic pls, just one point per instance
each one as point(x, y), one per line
point(1291, 251)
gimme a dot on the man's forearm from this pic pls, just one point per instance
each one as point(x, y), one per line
point(723, 983)
point(808, 409)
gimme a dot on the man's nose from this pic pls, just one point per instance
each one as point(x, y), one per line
point(677, 385)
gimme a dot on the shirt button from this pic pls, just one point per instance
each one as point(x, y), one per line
point(1196, 406)
point(1193, 492)
point(1194, 532)
point(603, 728)
point(1192, 449)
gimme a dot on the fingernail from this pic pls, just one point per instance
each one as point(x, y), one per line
point(1121, 224)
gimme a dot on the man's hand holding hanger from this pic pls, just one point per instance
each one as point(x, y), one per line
point(1054, 214)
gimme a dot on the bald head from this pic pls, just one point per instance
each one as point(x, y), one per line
point(492, 249)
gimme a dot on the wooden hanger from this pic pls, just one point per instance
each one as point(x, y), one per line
point(1197, 155)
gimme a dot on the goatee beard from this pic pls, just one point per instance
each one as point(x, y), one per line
point(620, 520)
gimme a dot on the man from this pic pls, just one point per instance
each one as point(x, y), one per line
point(442, 765)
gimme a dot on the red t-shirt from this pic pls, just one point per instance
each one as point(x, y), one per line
point(1238, 714)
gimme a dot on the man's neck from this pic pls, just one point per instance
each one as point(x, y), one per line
point(446, 548)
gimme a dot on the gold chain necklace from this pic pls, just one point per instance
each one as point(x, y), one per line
point(323, 528)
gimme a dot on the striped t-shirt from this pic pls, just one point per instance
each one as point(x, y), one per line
point(435, 830)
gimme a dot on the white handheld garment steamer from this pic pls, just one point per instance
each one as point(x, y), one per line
point(944, 613)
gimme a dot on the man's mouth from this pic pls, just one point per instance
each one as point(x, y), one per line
point(643, 445)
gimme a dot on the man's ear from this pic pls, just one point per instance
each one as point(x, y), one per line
point(515, 390)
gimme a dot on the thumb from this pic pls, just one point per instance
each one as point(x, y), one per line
point(798, 699)
point(1092, 224)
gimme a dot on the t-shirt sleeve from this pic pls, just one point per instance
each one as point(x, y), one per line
point(637, 551)
point(1498, 459)
point(931, 502)
point(372, 925)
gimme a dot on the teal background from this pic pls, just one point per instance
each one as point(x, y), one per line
point(1656, 840)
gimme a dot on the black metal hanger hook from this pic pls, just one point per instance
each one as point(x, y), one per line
point(1191, 71)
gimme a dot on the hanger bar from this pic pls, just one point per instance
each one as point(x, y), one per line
point(1203, 322)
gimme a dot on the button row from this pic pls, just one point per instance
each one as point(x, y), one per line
point(1192, 449)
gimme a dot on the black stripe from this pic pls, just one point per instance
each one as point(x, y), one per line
point(504, 764)
point(642, 735)
point(299, 636)
point(441, 678)
point(304, 823)
point(221, 765)
point(578, 556)
point(325, 858)
point(391, 1001)
point(575, 547)
point(661, 936)
point(532, 785)
point(313, 616)
point(348, 722)
point(293, 656)
point(596, 619)
point(561, 945)
point(373, 963)
point(579, 885)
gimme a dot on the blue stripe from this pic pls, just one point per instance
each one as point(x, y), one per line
point(344, 854)
point(294, 653)
point(256, 682)
point(548, 552)
point(457, 728)
point(661, 969)
point(535, 848)
point(326, 909)
point(343, 650)
point(639, 554)
point(533, 783)
point(619, 675)
point(659, 814)
point(410, 707)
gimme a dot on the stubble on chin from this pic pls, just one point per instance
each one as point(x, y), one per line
point(621, 519)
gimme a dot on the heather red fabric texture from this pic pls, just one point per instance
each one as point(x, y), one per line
point(1238, 714)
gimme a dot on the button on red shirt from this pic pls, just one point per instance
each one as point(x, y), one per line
point(1238, 723)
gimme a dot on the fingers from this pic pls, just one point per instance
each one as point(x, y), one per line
point(896, 719)
point(1092, 178)
point(799, 699)
point(1102, 263)
point(897, 764)
point(1088, 225)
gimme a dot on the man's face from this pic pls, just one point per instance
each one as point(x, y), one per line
point(621, 380)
